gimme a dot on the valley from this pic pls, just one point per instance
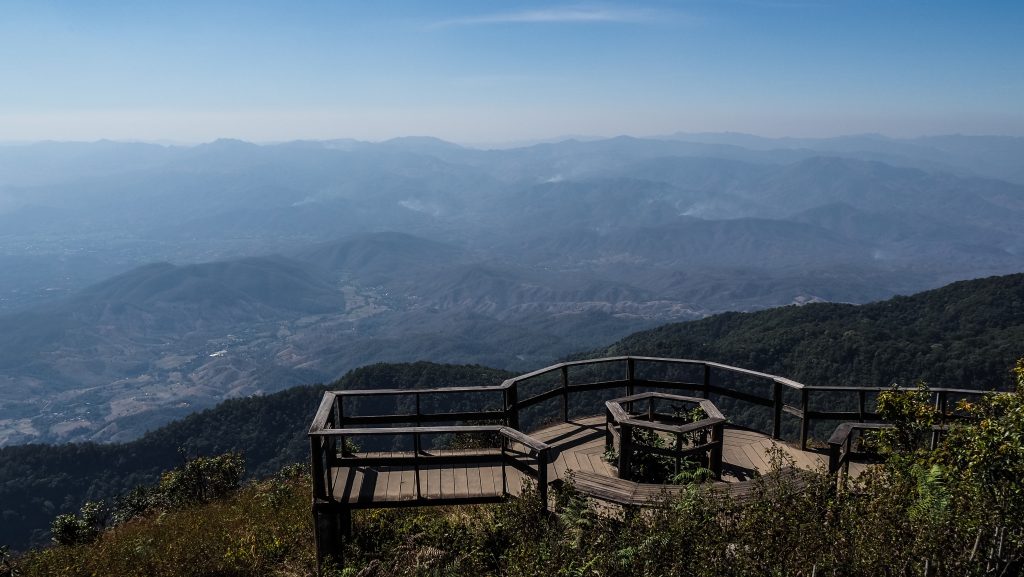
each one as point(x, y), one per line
point(143, 283)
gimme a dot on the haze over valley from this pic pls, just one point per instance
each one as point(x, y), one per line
point(143, 282)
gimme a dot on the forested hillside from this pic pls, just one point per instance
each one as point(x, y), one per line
point(37, 482)
point(964, 335)
point(955, 509)
point(967, 334)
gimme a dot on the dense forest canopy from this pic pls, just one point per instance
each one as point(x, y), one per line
point(964, 335)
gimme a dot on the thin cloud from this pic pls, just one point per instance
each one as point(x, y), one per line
point(564, 15)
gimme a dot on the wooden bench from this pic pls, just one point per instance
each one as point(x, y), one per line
point(624, 492)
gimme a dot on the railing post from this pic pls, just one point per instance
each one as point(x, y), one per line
point(317, 468)
point(609, 424)
point(679, 449)
point(339, 421)
point(862, 401)
point(777, 410)
point(847, 447)
point(565, 393)
point(416, 461)
point(511, 406)
point(833, 458)
point(630, 375)
point(625, 448)
point(706, 390)
point(542, 477)
point(805, 419)
point(718, 438)
point(504, 475)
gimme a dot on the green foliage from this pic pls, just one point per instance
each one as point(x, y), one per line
point(912, 416)
point(7, 567)
point(963, 335)
point(68, 529)
point(240, 534)
point(647, 467)
point(200, 480)
point(958, 508)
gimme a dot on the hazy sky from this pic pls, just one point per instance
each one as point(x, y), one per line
point(487, 71)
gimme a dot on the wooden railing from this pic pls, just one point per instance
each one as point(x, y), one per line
point(841, 448)
point(621, 422)
point(524, 403)
point(330, 450)
point(841, 444)
point(513, 399)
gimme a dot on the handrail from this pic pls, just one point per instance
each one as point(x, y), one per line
point(434, 390)
point(325, 454)
point(512, 405)
point(840, 444)
point(331, 425)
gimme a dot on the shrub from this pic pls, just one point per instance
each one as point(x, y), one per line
point(69, 529)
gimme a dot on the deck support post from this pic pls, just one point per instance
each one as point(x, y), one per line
point(511, 405)
point(718, 439)
point(625, 448)
point(542, 477)
point(329, 528)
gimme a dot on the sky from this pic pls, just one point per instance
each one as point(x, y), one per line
point(502, 71)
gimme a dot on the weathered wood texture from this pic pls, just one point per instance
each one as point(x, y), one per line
point(344, 480)
point(576, 453)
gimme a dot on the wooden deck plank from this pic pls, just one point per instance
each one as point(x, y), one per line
point(462, 481)
point(447, 484)
point(500, 475)
point(757, 458)
point(380, 489)
point(394, 484)
point(572, 462)
point(515, 481)
point(473, 481)
point(597, 464)
point(576, 446)
point(735, 455)
point(424, 482)
point(407, 489)
point(434, 482)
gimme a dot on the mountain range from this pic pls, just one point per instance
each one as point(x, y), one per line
point(145, 282)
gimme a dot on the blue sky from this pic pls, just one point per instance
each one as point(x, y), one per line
point(476, 71)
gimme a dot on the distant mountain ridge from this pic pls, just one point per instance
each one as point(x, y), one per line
point(416, 248)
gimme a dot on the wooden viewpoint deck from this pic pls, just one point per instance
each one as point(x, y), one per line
point(577, 448)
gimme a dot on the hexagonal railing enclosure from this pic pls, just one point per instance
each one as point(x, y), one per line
point(635, 436)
